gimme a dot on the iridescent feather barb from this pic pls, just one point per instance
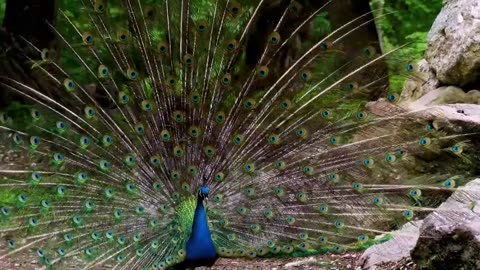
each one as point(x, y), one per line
point(191, 100)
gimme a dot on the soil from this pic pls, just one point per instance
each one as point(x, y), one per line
point(321, 262)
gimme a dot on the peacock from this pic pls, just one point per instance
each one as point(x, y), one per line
point(167, 134)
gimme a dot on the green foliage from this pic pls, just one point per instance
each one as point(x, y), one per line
point(407, 18)
point(406, 21)
point(3, 4)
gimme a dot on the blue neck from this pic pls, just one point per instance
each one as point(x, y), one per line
point(200, 248)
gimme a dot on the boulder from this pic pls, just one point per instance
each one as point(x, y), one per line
point(450, 236)
point(395, 251)
point(454, 43)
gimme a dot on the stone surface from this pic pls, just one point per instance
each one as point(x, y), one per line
point(454, 43)
point(431, 107)
point(393, 252)
point(450, 236)
point(446, 95)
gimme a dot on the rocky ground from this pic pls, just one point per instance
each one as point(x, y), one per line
point(321, 262)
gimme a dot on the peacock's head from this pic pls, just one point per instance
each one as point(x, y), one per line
point(203, 193)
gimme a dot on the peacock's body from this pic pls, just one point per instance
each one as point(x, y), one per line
point(192, 99)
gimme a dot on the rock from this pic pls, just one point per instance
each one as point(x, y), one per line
point(393, 251)
point(454, 43)
point(445, 95)
point(450, 236)
point(469, 114)
point(303, 262)
point(426, 108)
point(474, 96)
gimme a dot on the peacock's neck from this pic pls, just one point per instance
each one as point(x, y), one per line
point(200, 248)
point(200, 221)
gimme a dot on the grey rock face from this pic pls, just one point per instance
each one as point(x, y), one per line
point(395, 250)
point(450, 236)
point(454, 43)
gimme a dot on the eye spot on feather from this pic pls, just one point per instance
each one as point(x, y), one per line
point(100, 6)
point(308, 170)
point(408, 214)
point(425, 142)
point(162, 47)
point(457, 149)
point(77, 220)
point(132, 75)
point(179, 116)
point(178, 151)
point(60, 190)
point(226, 79)
point(357, 187)
point(89, 112)
point(415, 193)
point(301, 133)
point(149, 12)
point(69, 85)
point(249, 192)
point(5, 211)
point(333, 140)
point(390, 158)
point(338, 224)
point(188, 60)
point(280, 165)
point(273, 139)
point(220, 118)
point(351, 86)
point(274, 38)
point(305, 75)
point(249, 104)
point(235, 9)
point(17, 139)
point(34, 142)
point(287, 249)
point(410, 67)
point(368, 162)
point(237, 139)
point(140, 129)
point(57, 158)
point(450, 183)
point(103, 72)
point(393, 97)
point(209, 151)
point(231, 45)
point(361, 115)
point(122, 37)
point(202, 26)
point(175, 175)
point(87, 38)
point(262, 72)
point(301, 197)
point(295, 7)
point(323, 208)
point(249, 167)
point(219, 177)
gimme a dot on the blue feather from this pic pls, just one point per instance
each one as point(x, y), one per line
point(200, 249)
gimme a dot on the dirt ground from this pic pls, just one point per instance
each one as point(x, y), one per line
point(321, 262)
